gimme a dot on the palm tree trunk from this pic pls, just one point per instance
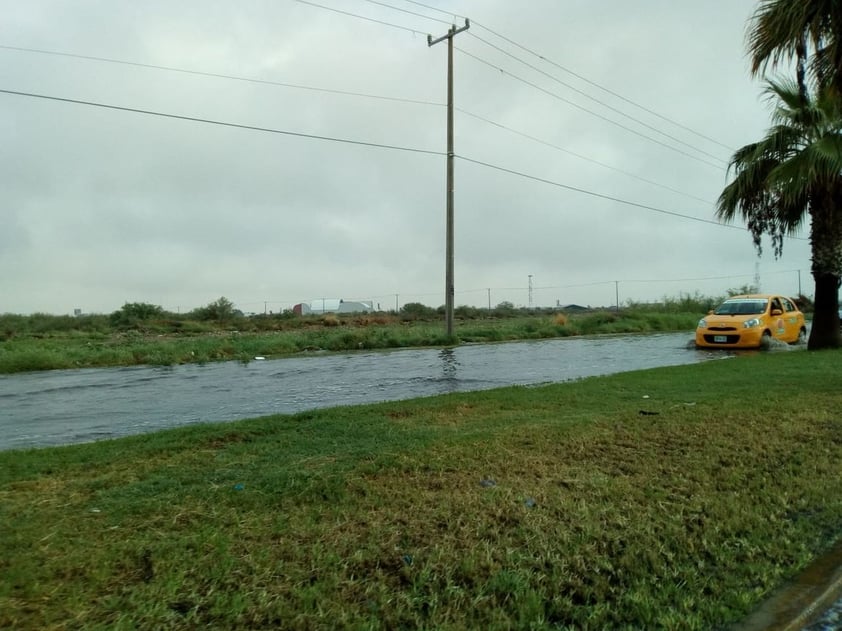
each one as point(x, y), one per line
point(826, 238)
point(825, 330)
point(801, 68)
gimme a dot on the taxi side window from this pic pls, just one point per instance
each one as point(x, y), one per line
point(788, 306)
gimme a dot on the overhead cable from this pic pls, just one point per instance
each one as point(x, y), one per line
point(361, 17)
point(217, 75)
point(366, 144)
point(581, 157)
point(577, 75)
point(604, 89)
point(394, 8)
point(591, 112)
point(594, 99)
point(602, 195)
point(224, 124)
point(296, 86)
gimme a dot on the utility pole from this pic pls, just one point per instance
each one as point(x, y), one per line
point(530, 291)
point(449, 287)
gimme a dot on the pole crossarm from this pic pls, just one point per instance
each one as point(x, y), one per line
point(450, 33)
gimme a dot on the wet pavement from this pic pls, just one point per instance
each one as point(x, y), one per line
point(812, 601)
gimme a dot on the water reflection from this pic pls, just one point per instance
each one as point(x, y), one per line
point(449, 364)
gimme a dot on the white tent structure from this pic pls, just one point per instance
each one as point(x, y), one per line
point(333, 305)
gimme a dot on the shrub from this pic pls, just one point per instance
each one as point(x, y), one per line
point(221, 310)
point(133, 312)
point(416, 311)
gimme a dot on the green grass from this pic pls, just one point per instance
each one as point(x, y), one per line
point(553, 507)
point(30, 348)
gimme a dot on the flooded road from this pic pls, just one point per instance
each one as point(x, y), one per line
point(72, 406)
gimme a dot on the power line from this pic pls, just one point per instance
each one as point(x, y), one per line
point(360, 17)
point(683, 280)
point(414, 31)
point(427, 6)
point(609, 282)
point(369, 144)
point(567, 85)
point(602, 195)
point(593, 284)
point(581, 157)
point(417, 31)
point(579, 76)
point(595, 100)
point(224, 124)
point(606, 90)
point(592, 113)
point(394, 8)
point(217, 75)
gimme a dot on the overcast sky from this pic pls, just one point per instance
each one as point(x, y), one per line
point(642, 102)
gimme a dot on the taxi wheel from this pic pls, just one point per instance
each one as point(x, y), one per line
point(766, 340)
point(802, 336)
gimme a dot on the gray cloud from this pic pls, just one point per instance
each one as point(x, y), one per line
point(104, 206)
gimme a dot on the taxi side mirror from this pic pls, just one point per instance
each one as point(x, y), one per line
point(777, 312)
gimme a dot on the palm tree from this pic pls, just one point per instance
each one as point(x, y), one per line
point(792, 174)
point(810, 31)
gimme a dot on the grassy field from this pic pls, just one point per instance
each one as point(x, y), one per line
point(672, 498)
point(44, 343)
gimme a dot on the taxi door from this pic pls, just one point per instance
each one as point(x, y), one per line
point(790, 318)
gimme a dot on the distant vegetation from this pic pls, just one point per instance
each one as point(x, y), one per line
point(142, 333)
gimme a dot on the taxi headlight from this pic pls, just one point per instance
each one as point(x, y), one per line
point(749, 324)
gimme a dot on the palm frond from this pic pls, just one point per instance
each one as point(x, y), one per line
point(793, 171)
point(778, 27)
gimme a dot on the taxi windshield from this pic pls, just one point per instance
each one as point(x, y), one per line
point(741, 307)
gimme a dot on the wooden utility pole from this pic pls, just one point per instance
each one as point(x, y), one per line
point(449, 287)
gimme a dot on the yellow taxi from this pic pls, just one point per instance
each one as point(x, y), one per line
point(750, 321)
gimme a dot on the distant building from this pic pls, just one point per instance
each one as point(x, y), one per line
point(332, 305)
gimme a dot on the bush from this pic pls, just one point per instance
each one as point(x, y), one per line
point(469, 313)
point(417, 311)
point(330, 320)
point(504, 309)
point(132, 313)
point(221, 310)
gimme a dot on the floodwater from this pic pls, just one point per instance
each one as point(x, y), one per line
point(72, 406)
